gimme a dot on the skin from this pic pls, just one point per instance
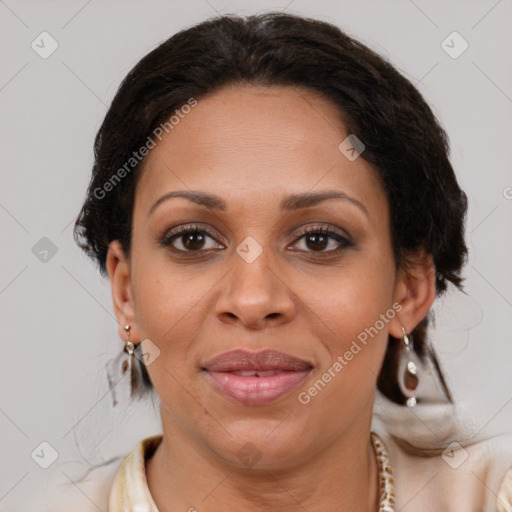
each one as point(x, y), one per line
point(253, 146)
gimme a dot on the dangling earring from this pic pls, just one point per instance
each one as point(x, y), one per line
point(132, 367)
point(430, 420)
point(417, 379)
point(124, 364)
point(409, 369)
point(127, 365)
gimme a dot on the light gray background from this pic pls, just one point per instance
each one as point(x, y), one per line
point(57, 326)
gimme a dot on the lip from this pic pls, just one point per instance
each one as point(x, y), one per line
point(265, 360)
point(285, 372)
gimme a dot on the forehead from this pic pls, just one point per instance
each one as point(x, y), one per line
point(253, 143)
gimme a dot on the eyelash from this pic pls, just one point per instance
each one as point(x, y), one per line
point(180, 231)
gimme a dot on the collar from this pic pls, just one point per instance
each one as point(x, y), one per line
point(130, 489)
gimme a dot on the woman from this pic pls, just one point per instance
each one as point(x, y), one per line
point(275, 209)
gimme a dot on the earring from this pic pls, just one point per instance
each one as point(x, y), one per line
point(132, 367)
point(122, 365)
point(127, 364)
point(435, 420)
point(420, 381)
point(409, 369)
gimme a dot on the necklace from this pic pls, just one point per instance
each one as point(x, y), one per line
point(387, 491)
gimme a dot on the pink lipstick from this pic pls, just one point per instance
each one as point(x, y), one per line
point(256, 378)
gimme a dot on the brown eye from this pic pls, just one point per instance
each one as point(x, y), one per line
point(322, 240)
point(193, 241)
point(189, 239)
point(317, 241)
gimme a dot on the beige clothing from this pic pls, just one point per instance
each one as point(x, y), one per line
point(482, 483)
point(474, 477)
point(421, 484)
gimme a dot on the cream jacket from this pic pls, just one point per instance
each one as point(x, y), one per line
point(465, 476)
point(421, 485)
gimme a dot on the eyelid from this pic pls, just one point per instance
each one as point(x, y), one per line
point(174, 232)
point(329, 228)
point(332, 231)
point(343, 240)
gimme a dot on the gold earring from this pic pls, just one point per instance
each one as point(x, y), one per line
point(129, 348)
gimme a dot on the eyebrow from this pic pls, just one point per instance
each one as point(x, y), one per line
point(289, 203)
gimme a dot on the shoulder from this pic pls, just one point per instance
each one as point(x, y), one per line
point(504, 497)
point(84, 490)
point(460, 476)
point(129, 490)
point(91, 490)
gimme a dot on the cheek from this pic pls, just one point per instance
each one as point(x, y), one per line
point(349, 300)
point(355, 338)
point(351, 313)
point(164, 310)
point(170, 309)
point(165, 314)
point(163, 294)
point(357, 333)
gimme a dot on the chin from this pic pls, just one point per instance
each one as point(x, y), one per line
point(262, 444)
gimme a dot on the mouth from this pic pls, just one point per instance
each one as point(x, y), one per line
point(256, 378)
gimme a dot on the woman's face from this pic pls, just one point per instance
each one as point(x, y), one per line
point(250, 278)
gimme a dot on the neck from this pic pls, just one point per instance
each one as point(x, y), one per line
point(185, 475)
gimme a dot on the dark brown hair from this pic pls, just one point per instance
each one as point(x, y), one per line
point(402, 137)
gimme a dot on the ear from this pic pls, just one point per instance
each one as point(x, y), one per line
point(118, 268)
point(415, 291)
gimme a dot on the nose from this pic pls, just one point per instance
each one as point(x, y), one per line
point(254, 294)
